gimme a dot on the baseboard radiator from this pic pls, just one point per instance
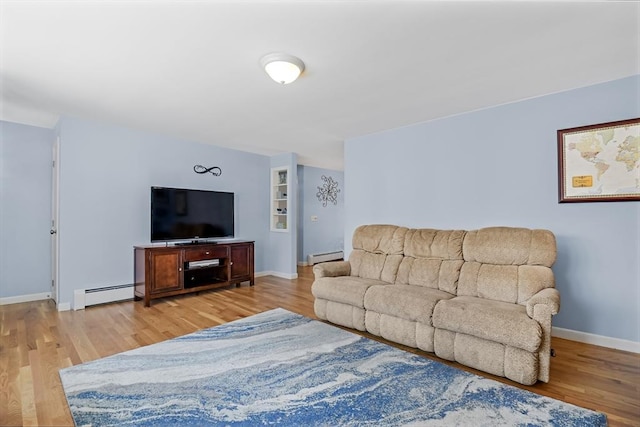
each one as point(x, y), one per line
point(329, 256)
point(86, 297)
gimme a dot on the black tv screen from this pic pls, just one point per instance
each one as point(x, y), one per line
point(181, 214)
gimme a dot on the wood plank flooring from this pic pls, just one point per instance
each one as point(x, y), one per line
point(36, 341)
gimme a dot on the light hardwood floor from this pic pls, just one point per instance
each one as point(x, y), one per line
point(36, 341)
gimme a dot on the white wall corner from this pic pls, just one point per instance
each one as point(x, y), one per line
point(79, 299)
point(600, 340)
point(64, 306)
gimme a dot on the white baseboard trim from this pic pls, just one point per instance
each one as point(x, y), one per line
point(78, 299)
point(594, 339)
point(277, 274)
point(25, 298)
point(302, 264)
point(585, 337)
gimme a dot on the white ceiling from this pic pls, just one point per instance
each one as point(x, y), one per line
point(190, 69)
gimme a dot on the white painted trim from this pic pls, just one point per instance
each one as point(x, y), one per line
point(302, 264)
point(79, 302)
point(55, 221)
point(594, 339)
point(277, 274)
point(25, 298)
point(585, 337)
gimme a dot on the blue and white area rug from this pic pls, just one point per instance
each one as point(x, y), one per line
point(281, 368)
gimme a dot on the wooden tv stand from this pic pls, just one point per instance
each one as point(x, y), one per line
point(163, 271)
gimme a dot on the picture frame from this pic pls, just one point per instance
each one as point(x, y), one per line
point(600, 162)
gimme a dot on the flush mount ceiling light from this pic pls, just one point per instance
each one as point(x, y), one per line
point(281, 67)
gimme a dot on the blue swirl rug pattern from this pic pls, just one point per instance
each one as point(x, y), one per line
point(281, 368)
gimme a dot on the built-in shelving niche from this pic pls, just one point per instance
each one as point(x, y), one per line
point(280, 199)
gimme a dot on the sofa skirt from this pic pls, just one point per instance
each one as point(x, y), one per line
point(341, 314)
point(498, 359)
point(403, 331)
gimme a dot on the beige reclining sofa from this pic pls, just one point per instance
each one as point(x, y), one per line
point(482, 298)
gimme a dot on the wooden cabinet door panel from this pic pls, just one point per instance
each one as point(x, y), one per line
point(166, 271)
point(241, 262)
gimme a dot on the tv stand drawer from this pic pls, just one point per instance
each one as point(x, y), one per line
point(206, 252)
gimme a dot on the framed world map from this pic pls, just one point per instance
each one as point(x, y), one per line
point(600, 163)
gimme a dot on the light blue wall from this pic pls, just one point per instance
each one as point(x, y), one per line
point(499, 167)
point(105, 176)
point(25, 209)
point(283, 245)
point(325, 234)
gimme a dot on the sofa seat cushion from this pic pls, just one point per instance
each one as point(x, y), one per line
point(344, 289)
point(497, 321)
point(409, 302)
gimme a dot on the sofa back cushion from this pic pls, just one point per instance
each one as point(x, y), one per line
point(432, 258)
point(377, 251)
point(506, 263)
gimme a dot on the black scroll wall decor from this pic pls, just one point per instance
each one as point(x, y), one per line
point(214, 170)
point(329, 191)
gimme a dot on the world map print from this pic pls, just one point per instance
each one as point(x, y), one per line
point(602, 162)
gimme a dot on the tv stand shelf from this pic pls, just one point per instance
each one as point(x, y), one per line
point(163, 271)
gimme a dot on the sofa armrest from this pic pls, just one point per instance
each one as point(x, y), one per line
point(541, 307)
point(549, 297)
point(332, 269)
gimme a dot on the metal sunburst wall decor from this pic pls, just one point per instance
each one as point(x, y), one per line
point(329, 191)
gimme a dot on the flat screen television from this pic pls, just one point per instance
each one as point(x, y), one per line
point(182, 214)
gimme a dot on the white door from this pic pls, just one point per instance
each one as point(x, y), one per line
point(54, 220)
